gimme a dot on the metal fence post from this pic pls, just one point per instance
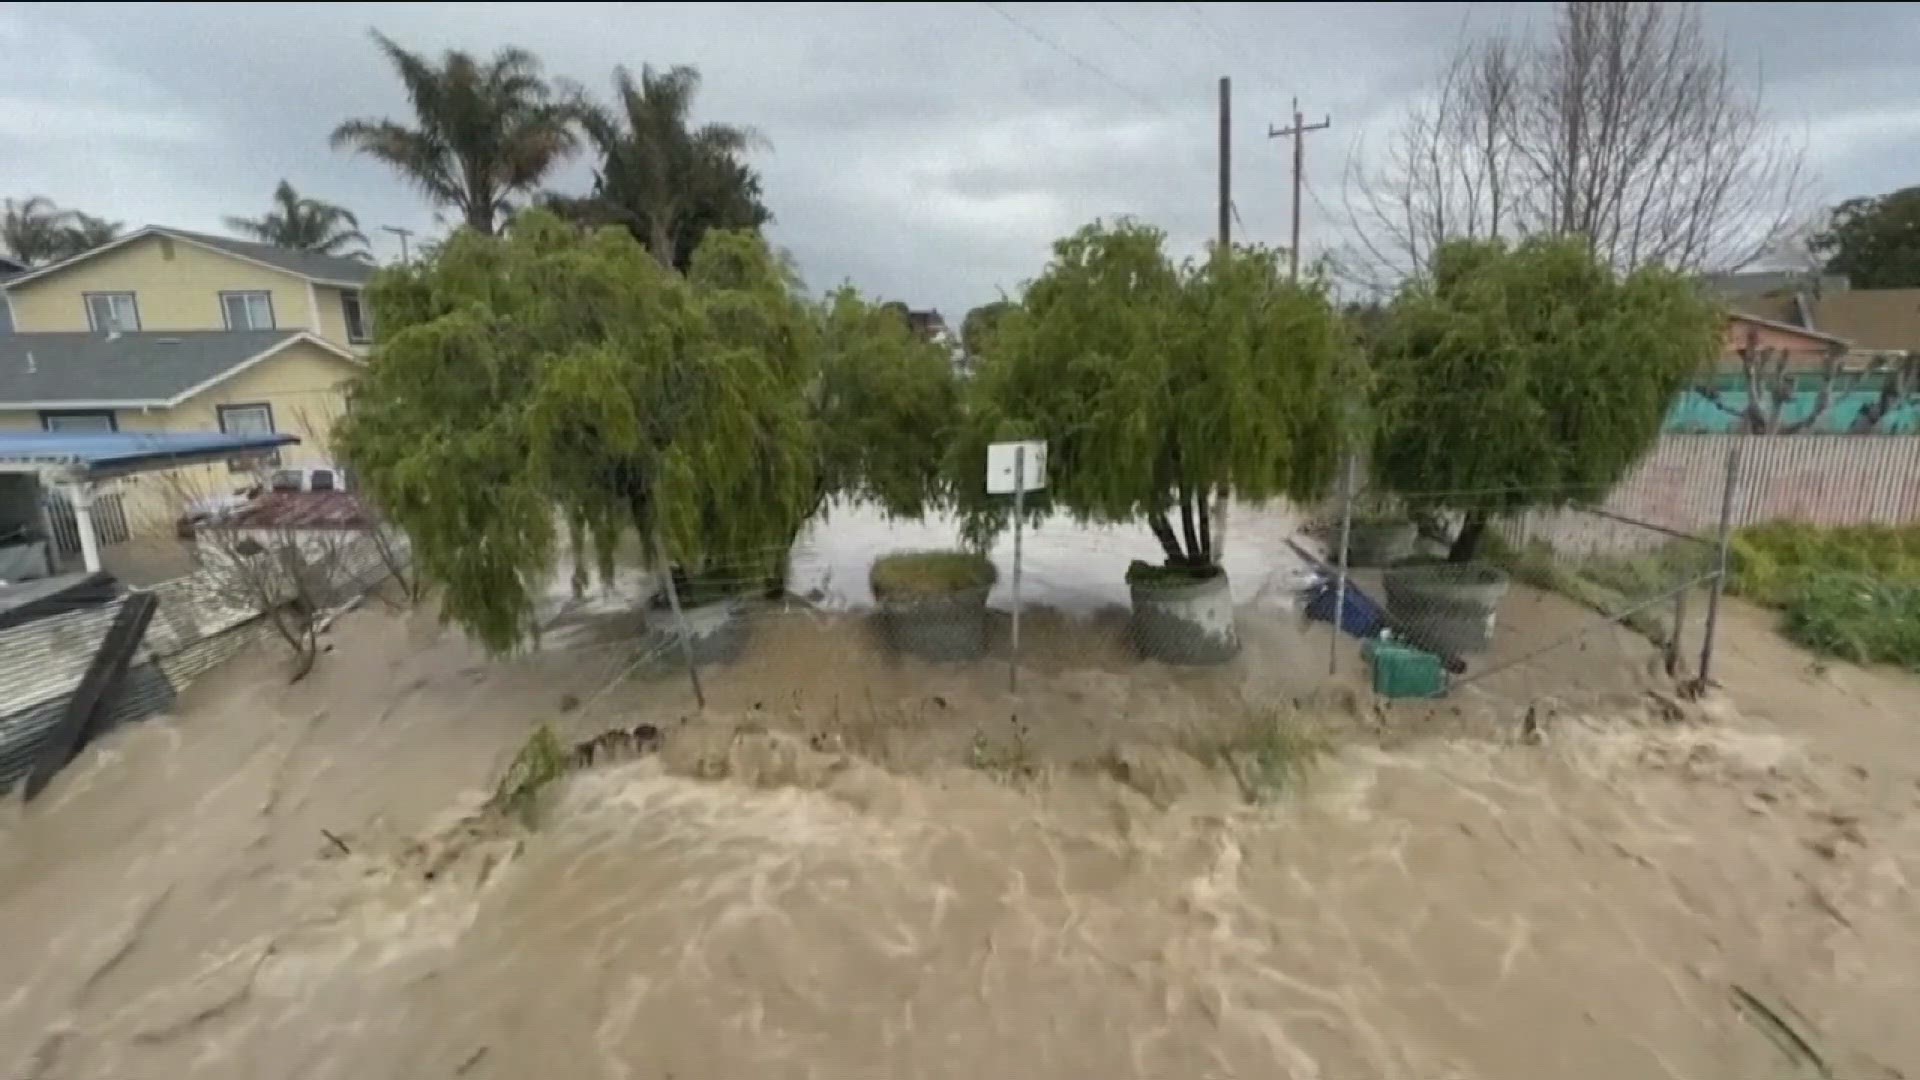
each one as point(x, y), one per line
point(1679, 631)
point(1340, 562)
point(680, 623)
point(1726, 546)
point(1019, 525)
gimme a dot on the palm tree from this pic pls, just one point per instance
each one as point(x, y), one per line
point(30, 229)
point(661, 177)
point(84, 232)
point(485, 130)
point(304, 224)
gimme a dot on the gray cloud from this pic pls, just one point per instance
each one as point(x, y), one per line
point(925, 152)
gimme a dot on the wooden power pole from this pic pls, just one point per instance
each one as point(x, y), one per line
point(1298, 132)
point(1217, 535)
point(1226, 162)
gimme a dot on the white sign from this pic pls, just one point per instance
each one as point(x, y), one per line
point(1001, 456)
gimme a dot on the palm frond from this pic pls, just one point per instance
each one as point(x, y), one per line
point(483, 129)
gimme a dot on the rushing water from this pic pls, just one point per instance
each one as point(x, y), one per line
point(298, 882)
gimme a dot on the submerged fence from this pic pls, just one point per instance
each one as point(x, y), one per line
point(1596, 592)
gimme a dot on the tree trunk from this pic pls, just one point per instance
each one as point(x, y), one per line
point(1186, 527)
point(660, 239)
point(480, 219)
point(1163, 532)
point(1206, 554)
point(1466, 546)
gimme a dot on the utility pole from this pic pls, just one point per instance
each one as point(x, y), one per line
point(1298, 131)
point(402, 234)
point(1217, 535)
point(1226, 161)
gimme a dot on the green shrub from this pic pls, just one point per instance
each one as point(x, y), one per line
point(930, 573)
point(1857, 617)
point(541, 761)
point(1608, 584)
point(1771, 563)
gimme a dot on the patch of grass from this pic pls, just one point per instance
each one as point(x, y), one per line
point(930, 573)
point(541, 760)
point(1851, 593)
point(1272, 751)
point(1607, 585)
point(1642, 576)
point(1857, 617)
point(1771, 562)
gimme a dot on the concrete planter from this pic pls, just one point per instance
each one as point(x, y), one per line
point(1380, 542)
point(950, 627)
point(1184, 621)
point(1445, 607)
point(937, 615)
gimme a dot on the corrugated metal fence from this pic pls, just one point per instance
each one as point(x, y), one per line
point(1680, 487)
point(1813, 479)
point(195, 628)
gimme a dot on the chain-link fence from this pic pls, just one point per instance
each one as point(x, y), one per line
point(1367, 609)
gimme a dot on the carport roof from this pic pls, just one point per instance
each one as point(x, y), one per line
point(99, 454)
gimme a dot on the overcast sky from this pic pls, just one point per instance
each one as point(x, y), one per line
point(927, 153)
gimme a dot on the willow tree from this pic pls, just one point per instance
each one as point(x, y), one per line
point(1160, 386)
point(552, 380)
point(1529, 376)
point(886, 405)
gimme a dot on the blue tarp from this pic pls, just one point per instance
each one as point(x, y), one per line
point(110, 453)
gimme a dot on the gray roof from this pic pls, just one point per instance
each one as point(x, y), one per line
point(150, 367)
point(305, 263)
point(327, 269)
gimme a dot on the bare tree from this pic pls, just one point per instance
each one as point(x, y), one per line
point(287, 576)
point(1899, 388)
point(1625, 125)
point(1450, 172)
point(292, 577)
point(252, 556)
point(1770, 385)
point(390, 545)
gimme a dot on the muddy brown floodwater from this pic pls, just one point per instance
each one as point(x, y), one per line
point(1714, 891)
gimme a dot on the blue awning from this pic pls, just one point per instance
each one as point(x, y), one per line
point(99, 454)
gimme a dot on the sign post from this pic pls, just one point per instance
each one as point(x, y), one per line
point(1016, 467)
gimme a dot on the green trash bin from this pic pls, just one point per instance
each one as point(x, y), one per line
point(1402, 671)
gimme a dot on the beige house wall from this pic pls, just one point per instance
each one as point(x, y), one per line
point(304, 386)
point(176, 286)
point(333, 316)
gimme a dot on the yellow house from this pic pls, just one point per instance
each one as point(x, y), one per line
point(169, 330)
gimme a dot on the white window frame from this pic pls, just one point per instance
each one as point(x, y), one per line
point(247, 298)
point(264, 408)
point(50, 419)
point(253, 462)
point(356, 301)
point(112, 298)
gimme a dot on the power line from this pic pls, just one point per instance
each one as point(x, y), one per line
point(1080, 61)
point(1198, 19)
point(1138, 42)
